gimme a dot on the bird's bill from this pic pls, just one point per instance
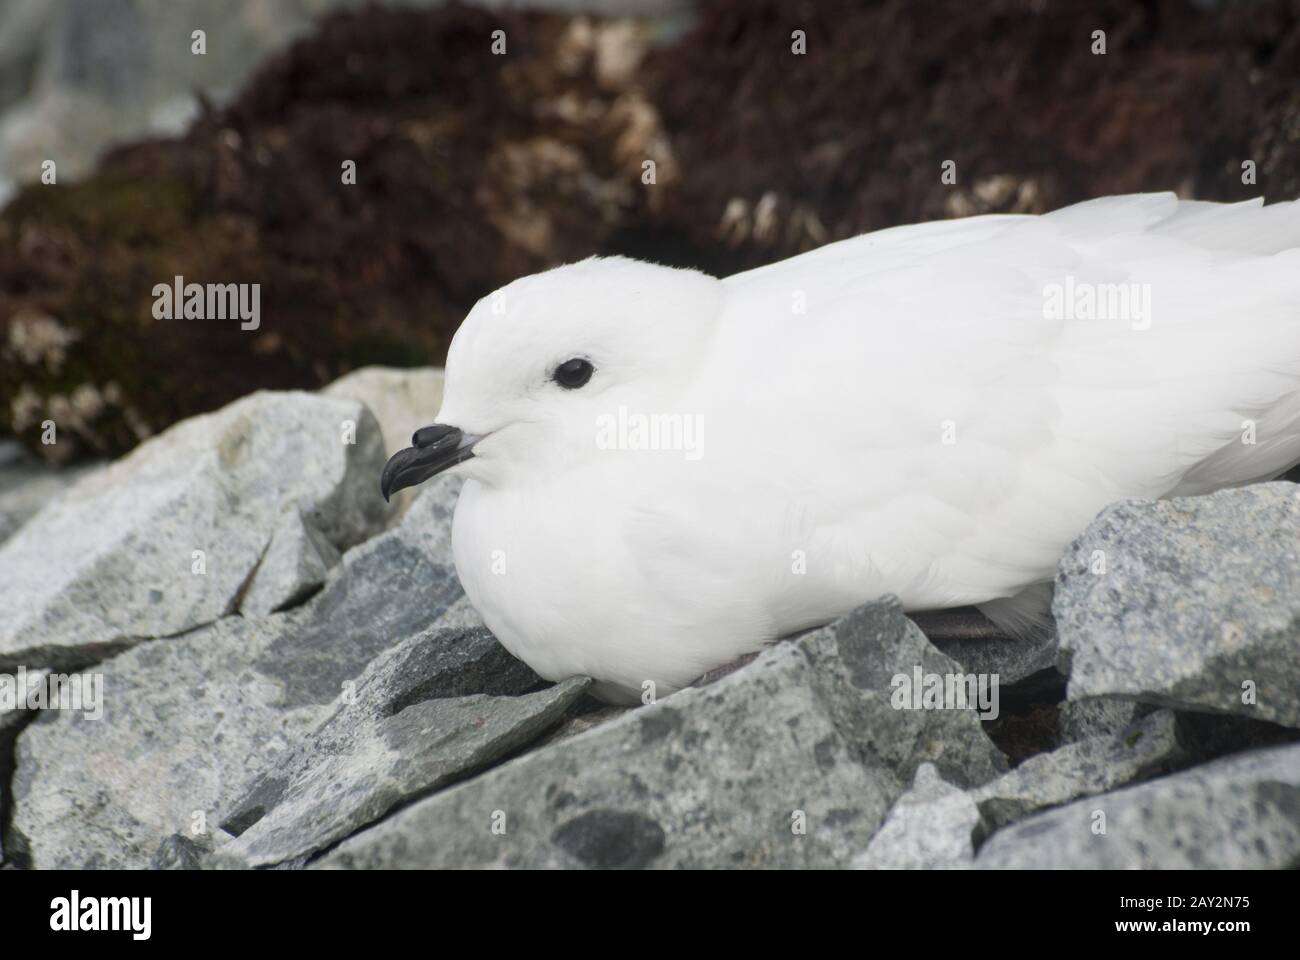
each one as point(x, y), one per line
point(433, 449)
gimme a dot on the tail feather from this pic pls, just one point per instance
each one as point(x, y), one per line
point(1025, 615)
point(1247, 227)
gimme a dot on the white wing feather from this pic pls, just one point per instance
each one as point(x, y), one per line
point(895, 337)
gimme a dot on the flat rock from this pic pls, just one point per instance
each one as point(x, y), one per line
point(1147, 748)
point(437, 708)
point(167, 539)
point(1239, 812)
point(792, 760)
point(1192, 603)
point(191, 719)
point(691, 781)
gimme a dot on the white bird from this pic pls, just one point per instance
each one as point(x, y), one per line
point(933, 411)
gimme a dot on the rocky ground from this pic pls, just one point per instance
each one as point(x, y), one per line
point(293, 678)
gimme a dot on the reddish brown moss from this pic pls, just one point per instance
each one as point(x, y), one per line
point(474, 169)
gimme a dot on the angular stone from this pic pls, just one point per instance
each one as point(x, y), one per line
point(936, 825)
point(1197, 605)
point(117, 558)
point(865, 654)
point(749, 771)
point(189, 720)
point(437, 708)
point(1240, 812)
point(1098, 717)
point(932, 827)
point(296, 562)
point(402, 400)
point(183, 719)
point(1147, 748)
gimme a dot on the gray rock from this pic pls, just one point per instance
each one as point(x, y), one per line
point(178, 852)
point(183, 720)
point(295, 564)
point(1098, 717)
point(724, 775)
point(461, 614)
point(402, 400)
point(13, 717)
point(1147, 748)
point(792, 760)
point(1240, 812)
point(440, 706)
point(932, 827)
point(170, 537)
point(385, 590)
point(938, 826)
point(1208, 736)
point(1198, 606)
point(860, 658)
point(190, 720)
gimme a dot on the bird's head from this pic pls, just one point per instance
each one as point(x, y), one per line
point(537, 363)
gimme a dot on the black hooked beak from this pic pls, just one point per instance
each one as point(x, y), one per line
point(433, 449)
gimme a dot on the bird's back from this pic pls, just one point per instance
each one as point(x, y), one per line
point(943, 407)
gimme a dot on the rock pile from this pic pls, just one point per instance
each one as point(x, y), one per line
point(318, 692)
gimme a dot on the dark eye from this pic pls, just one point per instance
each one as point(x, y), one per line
point(573, 374)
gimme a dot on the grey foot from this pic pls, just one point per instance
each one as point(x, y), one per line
point(959, 623)
point(717, 673)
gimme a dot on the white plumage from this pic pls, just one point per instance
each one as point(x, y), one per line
point(921, 411)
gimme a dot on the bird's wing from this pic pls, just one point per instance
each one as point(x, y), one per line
point(932, 404)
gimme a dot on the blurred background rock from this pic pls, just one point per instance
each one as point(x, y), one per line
point(473, 169)
point(79, 75)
